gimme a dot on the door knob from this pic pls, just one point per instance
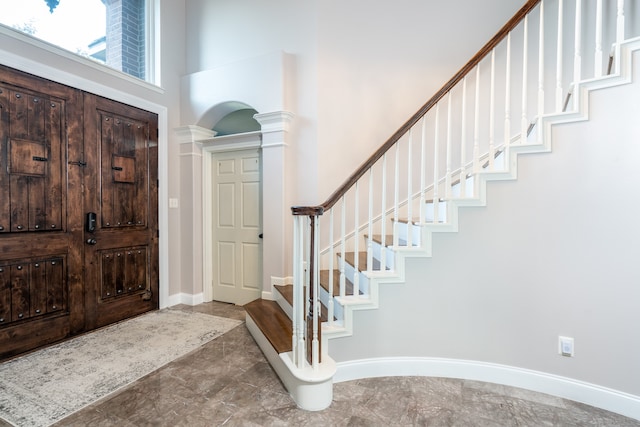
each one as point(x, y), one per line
point(91, 241)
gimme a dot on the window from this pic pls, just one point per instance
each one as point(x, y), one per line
point(113, 32)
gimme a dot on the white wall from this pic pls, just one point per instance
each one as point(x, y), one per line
point(360, 69)
point(41, 59)
point(553, 253)
point(379, 62)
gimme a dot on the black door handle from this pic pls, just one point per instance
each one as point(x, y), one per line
point(260, 236)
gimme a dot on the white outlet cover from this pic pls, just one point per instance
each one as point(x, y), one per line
point(566, 346)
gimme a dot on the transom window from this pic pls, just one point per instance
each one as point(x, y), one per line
point(113, 32)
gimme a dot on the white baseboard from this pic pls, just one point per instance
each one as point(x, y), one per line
point(187, 299)
point(601, 397)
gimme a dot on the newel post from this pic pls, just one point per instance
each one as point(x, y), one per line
point(312, 331)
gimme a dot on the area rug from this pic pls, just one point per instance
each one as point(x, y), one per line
point(43, 387)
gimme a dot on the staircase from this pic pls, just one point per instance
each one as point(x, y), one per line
point(501, 105)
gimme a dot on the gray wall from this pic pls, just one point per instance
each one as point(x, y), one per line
point(553, 253)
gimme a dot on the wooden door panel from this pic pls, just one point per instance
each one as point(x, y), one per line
point(5, 296)
point(124, 171)
point(5, 185)
point(38, 289)
point(19, 292)
point(33, 129)
point(121, 265)
point(64, 153)
point(41, 298)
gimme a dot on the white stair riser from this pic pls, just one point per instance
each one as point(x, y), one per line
point(363, 284)
point(430, 212)
point(468, 189)
point(403, 233)
point(377, 249)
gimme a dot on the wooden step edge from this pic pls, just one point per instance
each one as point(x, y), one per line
point(287, 293)
point(388, 240)
point(324, 282)
point(362, 261)
point(273, 322)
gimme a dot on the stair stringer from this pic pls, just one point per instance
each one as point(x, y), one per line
point(622, 75)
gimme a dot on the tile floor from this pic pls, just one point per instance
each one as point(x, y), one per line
point(228, 382)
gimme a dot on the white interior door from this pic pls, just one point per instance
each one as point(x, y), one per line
point(237, 222)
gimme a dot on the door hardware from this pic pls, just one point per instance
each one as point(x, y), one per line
point(91, 241)
point(90, 225)
point(116, 168)
point(78, 163)
point(40, 159)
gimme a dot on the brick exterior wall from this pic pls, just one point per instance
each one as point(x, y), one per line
point(126, 36)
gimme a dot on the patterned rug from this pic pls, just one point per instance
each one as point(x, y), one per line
point(43, 387)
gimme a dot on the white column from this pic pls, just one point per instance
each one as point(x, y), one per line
point(276, 213)
point(191, 221)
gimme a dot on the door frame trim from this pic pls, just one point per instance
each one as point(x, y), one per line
point(221, 144)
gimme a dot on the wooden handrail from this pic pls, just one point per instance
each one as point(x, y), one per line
point(468, 67)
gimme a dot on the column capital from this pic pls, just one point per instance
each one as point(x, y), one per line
point(192, 133)
point(276, 121)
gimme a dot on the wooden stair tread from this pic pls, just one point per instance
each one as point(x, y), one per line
point(287, 293)
point(350, 258)
point(324, 282)
point(388, 240)
point(273, 322)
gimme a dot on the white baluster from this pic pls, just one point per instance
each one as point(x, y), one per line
point(396, 197)
point(330, 307)
point(315, 343)
point(356, 240)
point(577, 56)
point(524, 121)
point(299, 301)
point(541, 71)
point(370, 227)
point(423, 169)
point(296, 285)
point(492, 111)
point(507, 105)
point(598, 54)
point(620, 22)
point(476, 126)
point(447, 177)
point(559, 57)
point(343, 247)
point(436, 155)
point(383, 226)
point(409, 186)
point(463, 142)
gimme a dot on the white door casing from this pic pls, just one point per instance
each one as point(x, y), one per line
point(236, 221)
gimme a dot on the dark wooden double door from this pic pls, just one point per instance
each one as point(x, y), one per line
point(78, 212)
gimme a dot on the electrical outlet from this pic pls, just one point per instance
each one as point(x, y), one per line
point(173, 203)
point(565, 346)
